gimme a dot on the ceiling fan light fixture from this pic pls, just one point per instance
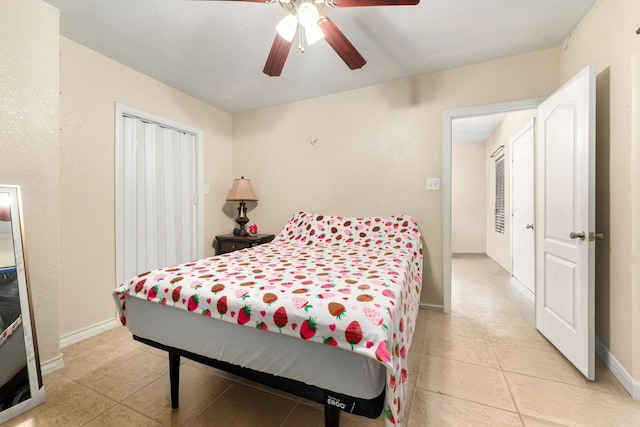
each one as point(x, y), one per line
point(308, 15)
point(287, 27)
point(313, 33)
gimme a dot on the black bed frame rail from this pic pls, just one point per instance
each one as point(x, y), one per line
point(333, 402)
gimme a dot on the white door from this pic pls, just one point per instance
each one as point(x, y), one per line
point(158, 204)
point(522, 210)
point(566, 220)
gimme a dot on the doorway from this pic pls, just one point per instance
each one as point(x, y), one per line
point(565, 211)
point(449, 117)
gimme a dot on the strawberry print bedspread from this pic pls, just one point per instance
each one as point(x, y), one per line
point(352, 283)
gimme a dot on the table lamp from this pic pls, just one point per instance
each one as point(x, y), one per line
point(242, 191)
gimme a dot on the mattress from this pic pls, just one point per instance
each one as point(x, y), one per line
point(346, 290)
point(315, 364)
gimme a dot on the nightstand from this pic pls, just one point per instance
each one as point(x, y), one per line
point(226, 243)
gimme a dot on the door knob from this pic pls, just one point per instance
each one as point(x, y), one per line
point(574, 235)
point(529, 226)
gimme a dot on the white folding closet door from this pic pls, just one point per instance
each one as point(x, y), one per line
point(159, 189)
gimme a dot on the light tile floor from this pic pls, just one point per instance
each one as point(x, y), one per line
point(483, 365)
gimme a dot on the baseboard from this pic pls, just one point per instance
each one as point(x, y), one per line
point(438, 307)
point(88, 332)
point(52, 365)
point(468, 254)
point(628, 382)
point(523, 289)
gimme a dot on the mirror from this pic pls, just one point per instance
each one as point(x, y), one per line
point(20, 377)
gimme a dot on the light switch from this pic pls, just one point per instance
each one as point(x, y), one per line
point(205, 189)
point(433, 184)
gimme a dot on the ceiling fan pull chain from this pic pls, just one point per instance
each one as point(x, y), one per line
point(301, 38)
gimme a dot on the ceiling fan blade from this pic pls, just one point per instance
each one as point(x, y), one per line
point(360, 3)
point(253, 1)
point(277, 56)
point(339, 42)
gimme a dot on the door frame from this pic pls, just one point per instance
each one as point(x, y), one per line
point(448, 117)
point(120, 111)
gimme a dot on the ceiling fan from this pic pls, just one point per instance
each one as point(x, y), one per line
point(304, 19)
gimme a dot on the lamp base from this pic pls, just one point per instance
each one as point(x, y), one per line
point(242, 219)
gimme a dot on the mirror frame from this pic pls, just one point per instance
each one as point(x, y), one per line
point(36, 386)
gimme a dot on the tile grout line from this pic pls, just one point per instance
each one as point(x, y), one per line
point(187, 421)
point(493, 343)
point(289, 414)
point(513, 398)
point(79, 384)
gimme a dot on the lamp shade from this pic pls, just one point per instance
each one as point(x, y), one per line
point(242, 190)
point(287, 27)
point(313, 33)
point(308, 14)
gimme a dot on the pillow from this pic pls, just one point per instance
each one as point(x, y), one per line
point(397, 231)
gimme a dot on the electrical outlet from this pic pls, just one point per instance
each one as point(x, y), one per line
point(433, 184)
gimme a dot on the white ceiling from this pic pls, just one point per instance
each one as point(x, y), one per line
point(215, 50)
point(475, 129)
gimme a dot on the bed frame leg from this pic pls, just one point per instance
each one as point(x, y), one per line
point(331, 416)
point(174, 378)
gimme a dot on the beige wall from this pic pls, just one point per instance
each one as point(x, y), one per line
point(370, 151)
point(468, 200)
point(499, 244)
point(91, 84)
point(607, 38)
point(366, 152)
point(29, 142)
point(635, 197)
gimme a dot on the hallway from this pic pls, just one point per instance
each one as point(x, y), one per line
point(485, 364)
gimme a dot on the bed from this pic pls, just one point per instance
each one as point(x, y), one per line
point(325, 311)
